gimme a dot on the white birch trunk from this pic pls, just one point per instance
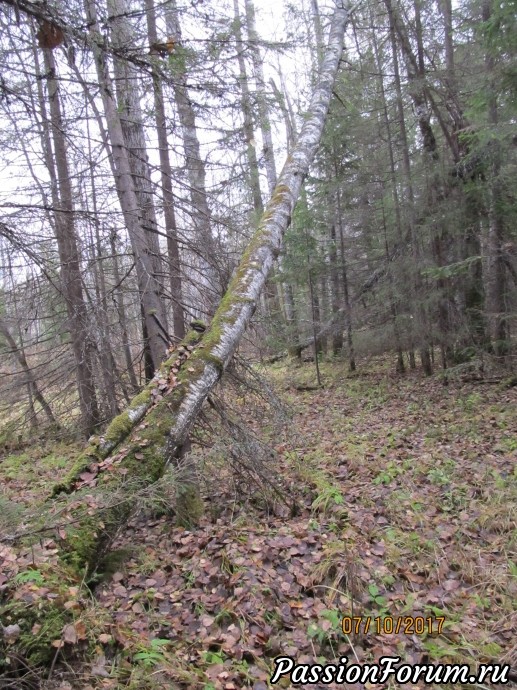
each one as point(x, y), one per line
point(247, 115)
point(263, 109)
point(160, 436)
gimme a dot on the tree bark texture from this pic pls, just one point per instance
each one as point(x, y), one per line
point(211, 273)
point(262, 105)
point(496, 283)
point(71, 279)
point(19, 353)
point(169, 215)
point(247, 114)
point(148, 286)
point(129, 109)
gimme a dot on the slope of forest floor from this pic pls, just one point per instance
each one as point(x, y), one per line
point(406, 506)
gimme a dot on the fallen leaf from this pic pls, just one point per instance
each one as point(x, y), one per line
point(11, 633)
point(80, 629)
point(69, 634)
point(99, 667)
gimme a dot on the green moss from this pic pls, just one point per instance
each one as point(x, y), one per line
point(14, 465)
point(280, 191)
point(113, 562)
point(143, 463)
point(191, 369)
point(36, 466)
point(37, 648)
point(150, 462)
point(213, 359)
point(79, 549)
point(189, 506)
point(227, 312)
point(143, 398)
point(146, 457)
point(53, 461)
point(120, 426)
point(192, 337)
point(91, 454)
point(40, 617)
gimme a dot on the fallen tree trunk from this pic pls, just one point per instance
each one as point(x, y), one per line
point(158, 421)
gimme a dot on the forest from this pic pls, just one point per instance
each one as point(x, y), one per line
point(258, 353)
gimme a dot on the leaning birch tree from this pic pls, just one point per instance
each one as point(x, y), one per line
point(139, 443)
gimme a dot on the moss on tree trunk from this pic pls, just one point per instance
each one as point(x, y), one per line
point(132, 454)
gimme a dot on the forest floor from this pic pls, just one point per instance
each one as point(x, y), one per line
point(406, 510)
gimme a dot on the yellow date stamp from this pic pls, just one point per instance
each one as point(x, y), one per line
point(391, 625)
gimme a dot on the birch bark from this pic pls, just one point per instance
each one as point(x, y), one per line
point(262, 104)
point(249, 133)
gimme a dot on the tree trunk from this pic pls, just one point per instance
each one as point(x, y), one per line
point(162, 426)
point(249, 133)
point(149, 288)
point(129, 110)
point(272, 296)
point(496, 283)
point(324, 309)
point(166, 177)
point(107, 360)
point(32, 385)
point(315, 314)
point(318, 34)
point(285, 289)
point(211, 274)
point(262, 106)
point(118, 297)
point(429, 142)
point(400, 367)
point(337, 335)
point(346, 292)
point(69, 257)
point(294, 349)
